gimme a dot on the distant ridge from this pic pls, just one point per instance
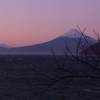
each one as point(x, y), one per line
point(4, 45)
point(92, 50)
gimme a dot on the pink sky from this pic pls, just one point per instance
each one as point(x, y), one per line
point(28, 22)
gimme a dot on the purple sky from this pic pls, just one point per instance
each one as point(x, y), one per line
point(27, 22)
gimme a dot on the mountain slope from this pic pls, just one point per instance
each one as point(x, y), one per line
point(92, 50)
point(58, 44)
point(4, 45)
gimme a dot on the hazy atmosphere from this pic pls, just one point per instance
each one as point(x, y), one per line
point(44, 52)
point(28, 22)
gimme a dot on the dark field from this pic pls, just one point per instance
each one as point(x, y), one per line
point(16, 78)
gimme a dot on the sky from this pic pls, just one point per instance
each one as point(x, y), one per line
point(29, 22)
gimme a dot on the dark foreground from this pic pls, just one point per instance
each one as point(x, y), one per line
point(16, 78)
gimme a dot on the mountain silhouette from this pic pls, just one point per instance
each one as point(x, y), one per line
point(58, 44)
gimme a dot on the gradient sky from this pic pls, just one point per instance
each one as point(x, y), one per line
point(27, 22)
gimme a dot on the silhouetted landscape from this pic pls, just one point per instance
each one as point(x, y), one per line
point(49, 50)
point(16, 74)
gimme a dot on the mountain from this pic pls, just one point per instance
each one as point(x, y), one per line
point(4, 45)
point(92, 50)
point(58, 44)
point(72, 37)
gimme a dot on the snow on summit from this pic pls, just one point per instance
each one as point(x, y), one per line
point(73, 33)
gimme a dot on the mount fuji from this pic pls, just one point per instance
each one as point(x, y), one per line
point(58, 44)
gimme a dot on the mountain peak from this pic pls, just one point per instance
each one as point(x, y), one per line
point(73, 33)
